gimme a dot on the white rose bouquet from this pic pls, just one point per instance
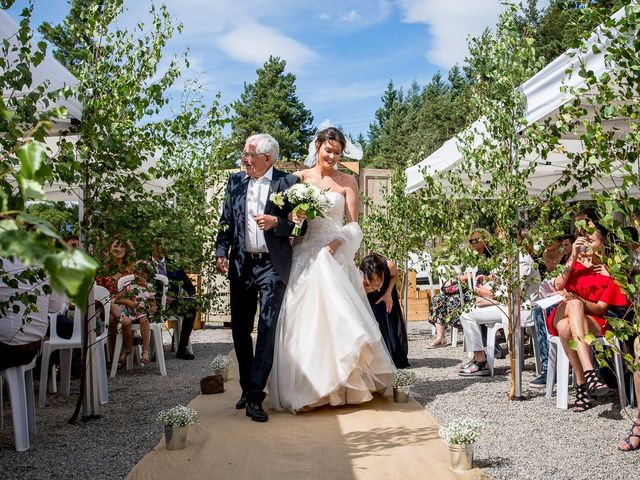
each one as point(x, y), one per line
point(306, 199)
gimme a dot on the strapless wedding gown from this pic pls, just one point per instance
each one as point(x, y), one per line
point(328, 347)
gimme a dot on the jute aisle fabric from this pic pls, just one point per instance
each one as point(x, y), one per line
point(378, 440)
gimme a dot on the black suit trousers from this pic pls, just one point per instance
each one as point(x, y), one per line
point(259, 283)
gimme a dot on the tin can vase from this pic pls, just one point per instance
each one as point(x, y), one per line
point(222, 371)
point(401, 393)
point(175, 437)
point(461, 456)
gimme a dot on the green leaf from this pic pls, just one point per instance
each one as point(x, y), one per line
point(72, 272)
point(31, 156)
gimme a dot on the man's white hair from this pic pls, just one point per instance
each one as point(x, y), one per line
point(265, 145)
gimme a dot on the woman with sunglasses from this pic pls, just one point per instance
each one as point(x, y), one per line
point(446, 305)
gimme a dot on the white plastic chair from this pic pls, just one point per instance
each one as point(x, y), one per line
point(65, 347)
point(54, 342)
point(23, 412)
point(156, 329)
point(558, 366)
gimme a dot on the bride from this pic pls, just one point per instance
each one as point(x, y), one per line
point(328, 348)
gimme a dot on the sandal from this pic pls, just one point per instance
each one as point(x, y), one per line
point(144, 358)
point(464, 365)
point(438, 343)
point(475, 369)
point(632, 434)
point(122, 359)
point(583, 401)
point(594, 385)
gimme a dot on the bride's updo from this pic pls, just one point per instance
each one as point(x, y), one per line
point(331, 133)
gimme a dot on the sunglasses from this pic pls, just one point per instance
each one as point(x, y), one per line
point(473, 241)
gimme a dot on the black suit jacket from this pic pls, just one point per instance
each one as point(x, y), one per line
point(231, 236)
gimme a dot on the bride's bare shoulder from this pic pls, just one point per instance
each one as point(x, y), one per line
point(299, 174)
point(347, 181)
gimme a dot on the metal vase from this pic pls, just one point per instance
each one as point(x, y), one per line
point(175, 437)
point(461, 456)
point(222, 371)
point(401, 394)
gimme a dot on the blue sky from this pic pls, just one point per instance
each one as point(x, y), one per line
point(343, 52)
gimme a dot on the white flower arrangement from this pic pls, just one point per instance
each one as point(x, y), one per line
point(404, 378)
point(462, 431)
point(305, 198)
point(220, 362)
point(178, 416)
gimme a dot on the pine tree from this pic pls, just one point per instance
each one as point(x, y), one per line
point(270, 105)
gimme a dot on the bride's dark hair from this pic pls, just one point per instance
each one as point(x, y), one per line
point(331, 133)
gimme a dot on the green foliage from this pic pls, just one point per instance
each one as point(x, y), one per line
point(26, 114)
point(270, 105)
point(63, 218)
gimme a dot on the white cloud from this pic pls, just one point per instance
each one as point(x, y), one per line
point(358, 13)
point(253, 43)
point(450, 24)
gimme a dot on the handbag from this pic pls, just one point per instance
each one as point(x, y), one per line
point(450, 287)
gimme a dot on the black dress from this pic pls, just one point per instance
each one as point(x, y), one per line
point(391, 324)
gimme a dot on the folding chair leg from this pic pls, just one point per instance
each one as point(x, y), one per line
point(551, 368)
point(562, 389)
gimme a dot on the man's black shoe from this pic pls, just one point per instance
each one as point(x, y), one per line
point(242, 403)
point(257, 414)
point(184, 355)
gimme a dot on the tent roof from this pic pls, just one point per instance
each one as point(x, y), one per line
point(49, 70)
point(544, 96)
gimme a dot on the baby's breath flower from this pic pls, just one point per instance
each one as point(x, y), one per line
point(220, 362)
point(404, 378)
point(461, 431)
point(178, 416)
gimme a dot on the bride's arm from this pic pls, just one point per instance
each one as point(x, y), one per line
point(353, 201)
point(350, 234)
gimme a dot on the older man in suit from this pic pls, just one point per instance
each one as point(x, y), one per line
point(253, 247)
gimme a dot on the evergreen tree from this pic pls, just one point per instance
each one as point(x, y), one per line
point(391, 101)
point(270, 105)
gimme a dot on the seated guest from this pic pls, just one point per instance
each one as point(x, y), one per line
point(379, 279)
point(567, 245)
point(490, 310)
point(21, 331)
point(446, 305)
point(119, 260)
point(138, 303)
point(180, 298)
point(552, 256)
point(589, 291)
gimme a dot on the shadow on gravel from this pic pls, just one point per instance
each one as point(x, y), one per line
point(430, 389)
point(433, 362)
point(491, 462)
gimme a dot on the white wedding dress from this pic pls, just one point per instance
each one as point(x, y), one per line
point(328, 347)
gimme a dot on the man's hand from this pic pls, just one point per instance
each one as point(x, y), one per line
point(266, 222)
point(222, 264)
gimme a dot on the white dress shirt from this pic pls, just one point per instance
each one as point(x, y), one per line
point(15, 329)
point(257, 195)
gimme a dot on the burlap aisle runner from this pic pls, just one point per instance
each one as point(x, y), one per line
point(378, 440)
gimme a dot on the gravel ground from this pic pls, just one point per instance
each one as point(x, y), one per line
point(109, 447)
point(527, 439)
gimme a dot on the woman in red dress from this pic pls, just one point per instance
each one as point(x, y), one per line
point(589, 291)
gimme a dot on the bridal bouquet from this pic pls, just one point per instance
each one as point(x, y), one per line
point(306, 199)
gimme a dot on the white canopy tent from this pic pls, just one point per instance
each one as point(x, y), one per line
point(544, 95)
point(50, 70)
